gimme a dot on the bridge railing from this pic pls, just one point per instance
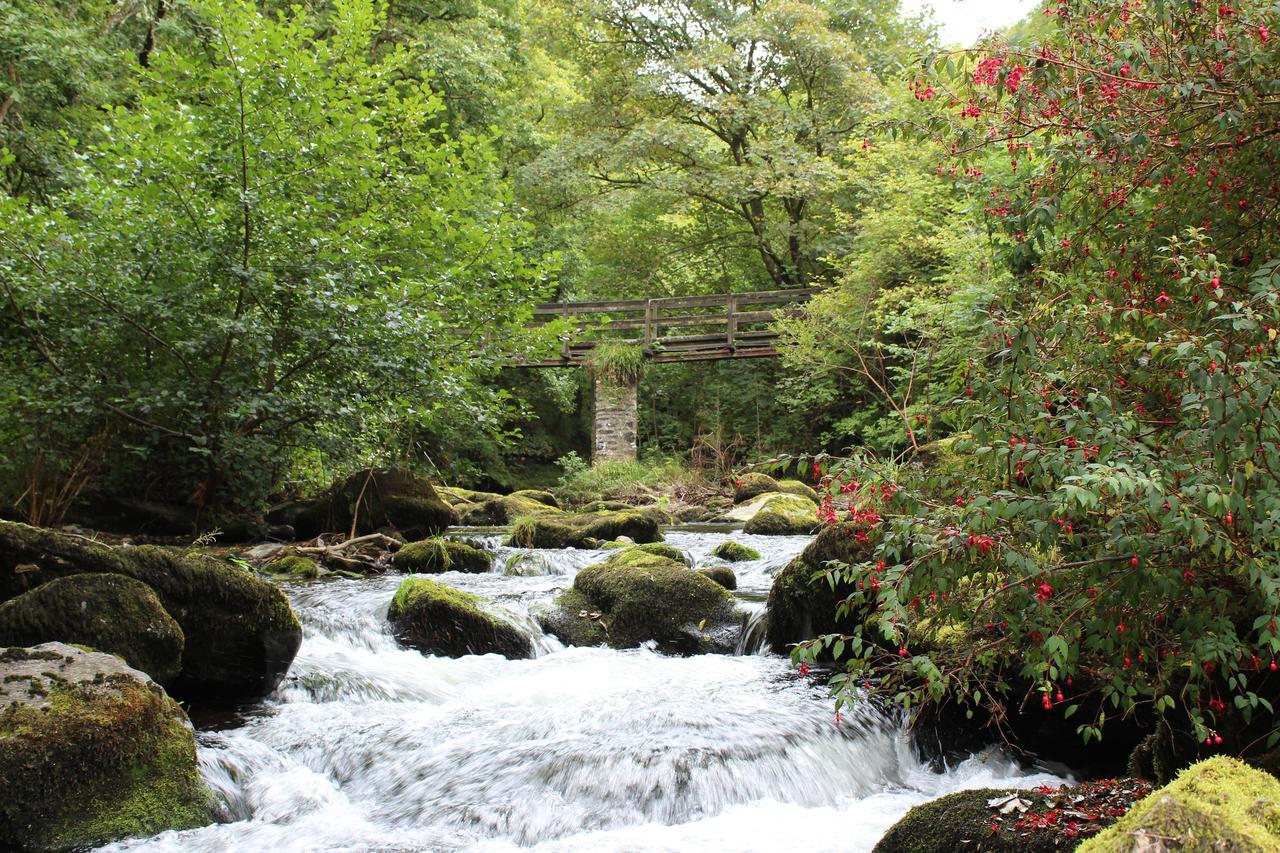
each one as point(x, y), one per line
point(676, 328)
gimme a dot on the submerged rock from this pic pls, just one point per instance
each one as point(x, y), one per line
point(780, 514)
point(432, 556)
point(370, 500)
point(636, 597)
point(110, 613)
point(240, 633)
point(438, 619)
point(584, 531)
point(91, 751)
point(1218, 804)
point(735, 552)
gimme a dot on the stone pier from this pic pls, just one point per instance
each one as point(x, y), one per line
point(613, 432)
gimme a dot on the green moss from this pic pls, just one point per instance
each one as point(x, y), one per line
point(436, 618)
point(752, 485)
point(795, 487)
point(432, 556)
point(802, 604)
point(662, 549)
point(294, 566)
point(537, 496)
point(722, 575)
point(784, 515)
point(581, 531)
point(240, 633)
point(1218, 804)
point(638, 596)
point(103, 761)
point(735, 552)
point(110, 613)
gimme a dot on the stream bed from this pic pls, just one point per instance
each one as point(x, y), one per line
point(367, 746)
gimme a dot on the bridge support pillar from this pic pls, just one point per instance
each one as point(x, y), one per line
point(613, 431)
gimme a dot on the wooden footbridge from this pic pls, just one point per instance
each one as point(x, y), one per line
point(677, 328)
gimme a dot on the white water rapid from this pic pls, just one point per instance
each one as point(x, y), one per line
point(367, 746)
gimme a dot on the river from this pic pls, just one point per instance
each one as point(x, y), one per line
point(367, 746)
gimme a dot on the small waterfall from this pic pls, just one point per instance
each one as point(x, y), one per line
point(368, 746)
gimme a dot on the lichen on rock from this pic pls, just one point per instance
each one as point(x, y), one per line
point(782, 514)
point(439, 619)
point(91, 752)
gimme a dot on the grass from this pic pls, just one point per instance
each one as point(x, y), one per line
point(621, 362)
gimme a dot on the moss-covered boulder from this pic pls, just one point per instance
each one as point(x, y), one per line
point(1217, 804)
point(296, 567)
point(497, 510)
point(749, 486)
point(240, 633)
point(585, 530)
point(735, 552)
point(784, 515)
point(1005, 820)
point(110, 613)
point(432, 556)
point(634, 597)
point(662, 549)
point(371, 500)
point(802, 605)
point(795, 487)
point(722, 575)
point(438, 619)
point(91, 751)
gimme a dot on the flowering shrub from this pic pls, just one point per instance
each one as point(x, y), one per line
point(1108, 544)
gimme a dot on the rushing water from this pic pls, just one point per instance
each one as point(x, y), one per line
point(367, 746)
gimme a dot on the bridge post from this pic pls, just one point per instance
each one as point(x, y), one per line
point(613, 429)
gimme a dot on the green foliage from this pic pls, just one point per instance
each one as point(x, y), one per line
point(626, 481)
point(619, 362)
point(264, 251)
point(1112, 550)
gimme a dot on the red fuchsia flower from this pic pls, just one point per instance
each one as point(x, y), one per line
point(1163, 299)
point(1044, 592)
point(1262, 32)
point(803, 669)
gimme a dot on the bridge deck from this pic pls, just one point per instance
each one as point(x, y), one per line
point(678, 328)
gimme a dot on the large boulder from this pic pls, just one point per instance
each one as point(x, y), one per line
point(240, 633)
point(781, 514)
point(438, 619)
point(586, 530)
point(371, 500)
point(802, 605)
point(636, 597)
point(110, 613)
point(751, 485)
point(1218, 804)
point(1005, 820)
point(432, 556)
point(91, 751)
point(498, 510)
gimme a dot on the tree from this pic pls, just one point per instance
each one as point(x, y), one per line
point(734, 113)
point(1109, 549)
point(263, 257)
